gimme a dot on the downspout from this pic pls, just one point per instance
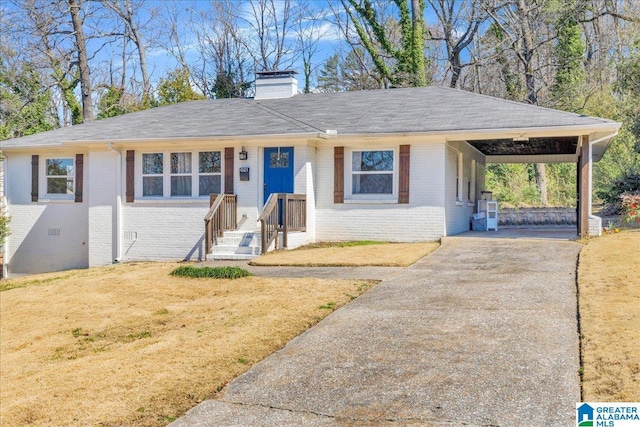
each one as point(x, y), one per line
point(118, 203)
point(591, 143)
point(590, 215)
point(4, 206)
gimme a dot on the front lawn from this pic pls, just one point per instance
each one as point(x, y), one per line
point(132, 345)
point(349, 254)
point(609, 299)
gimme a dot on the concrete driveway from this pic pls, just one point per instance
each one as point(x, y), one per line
point(482, 332)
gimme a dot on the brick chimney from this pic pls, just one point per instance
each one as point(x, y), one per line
point(276, 84)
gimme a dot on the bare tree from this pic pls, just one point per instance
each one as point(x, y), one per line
point(44, 40)
point(310, 29)
point(399, 37)
point(459, 22)
point(223, 66)
point(173, 40)
point(126, 11)
point(77, 20)
point(272, 25)
point(519, 22)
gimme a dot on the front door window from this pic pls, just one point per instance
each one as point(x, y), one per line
point(278, 171)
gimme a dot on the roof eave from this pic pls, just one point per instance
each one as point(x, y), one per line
point(466, 134)
point(119, 143)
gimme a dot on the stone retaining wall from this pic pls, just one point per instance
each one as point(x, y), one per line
point(537, 216)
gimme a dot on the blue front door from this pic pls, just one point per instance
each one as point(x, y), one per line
point(278, 171)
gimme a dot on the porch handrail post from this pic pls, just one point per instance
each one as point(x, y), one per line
point(217, 220)
point(285, 220)
point(263, 236)
point(269, 222)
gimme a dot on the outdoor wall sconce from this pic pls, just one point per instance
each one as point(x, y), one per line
point(243, 155)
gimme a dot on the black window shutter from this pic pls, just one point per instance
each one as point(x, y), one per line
point(338, 175)
point(35, 161)
point(79, 176)
point(403, 191)
point(130, 178)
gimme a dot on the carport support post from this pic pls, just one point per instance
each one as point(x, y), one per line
point(584, 186)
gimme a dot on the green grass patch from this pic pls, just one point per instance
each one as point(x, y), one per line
point(341, 244)
point(17, 284)
point(211, 272)
point(331, 305)
point(137, 336)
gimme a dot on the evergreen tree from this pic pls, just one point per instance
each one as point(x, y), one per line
point(110, 104)
point(228, 86)
point(26, 106)
point(408, 68)
point(568, 87)
point(329, 77)
point(176, 87)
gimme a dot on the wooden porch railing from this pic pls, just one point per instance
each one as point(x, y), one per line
point(293, 218)
point(222, 216)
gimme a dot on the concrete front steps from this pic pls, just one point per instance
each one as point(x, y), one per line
point(237, 245)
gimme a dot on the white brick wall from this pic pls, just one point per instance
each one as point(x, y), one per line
point(101, 193)
point(459, 213)
point(44, 236)
point(249, 192)
point(595, 226)
point(163, 231)
point(304, 158)
point(420, 220)
point(61, 235)
point(172, 230)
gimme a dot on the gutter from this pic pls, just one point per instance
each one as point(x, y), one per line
point(118, 203)
point(4, 206)
point(604, 138)
point(590, 215)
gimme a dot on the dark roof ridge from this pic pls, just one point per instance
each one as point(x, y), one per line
point(299, 123)
point(510, 101)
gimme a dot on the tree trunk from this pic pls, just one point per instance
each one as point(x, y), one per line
point(417, 45)
point(83, 61)
point(541, 182)
point(532, 96)
point(307, 77)
point(137, 39)
point(456, 69)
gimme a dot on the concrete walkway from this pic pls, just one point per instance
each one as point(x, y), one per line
point(482, 332)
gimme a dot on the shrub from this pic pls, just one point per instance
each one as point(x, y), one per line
point(630, 207)
point(212, 272)
point(629, 184)
point(4, 226)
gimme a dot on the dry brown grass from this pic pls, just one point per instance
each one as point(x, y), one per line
point(130, 345)
point(609, 281)
point(384, 255)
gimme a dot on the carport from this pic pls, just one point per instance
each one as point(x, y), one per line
point(581, 145)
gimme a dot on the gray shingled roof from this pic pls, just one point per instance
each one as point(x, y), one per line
point(429, 109)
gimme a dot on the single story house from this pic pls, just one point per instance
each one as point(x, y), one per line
point(395, 165)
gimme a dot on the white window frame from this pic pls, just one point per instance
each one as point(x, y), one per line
point(166, 175)
point(181, 174)
point(198, 174)
point(152, 175)
point(44, 181)
point(460, 178)
point(472, 180)
point(350, 197)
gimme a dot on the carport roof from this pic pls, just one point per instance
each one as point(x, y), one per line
point(436, 110)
